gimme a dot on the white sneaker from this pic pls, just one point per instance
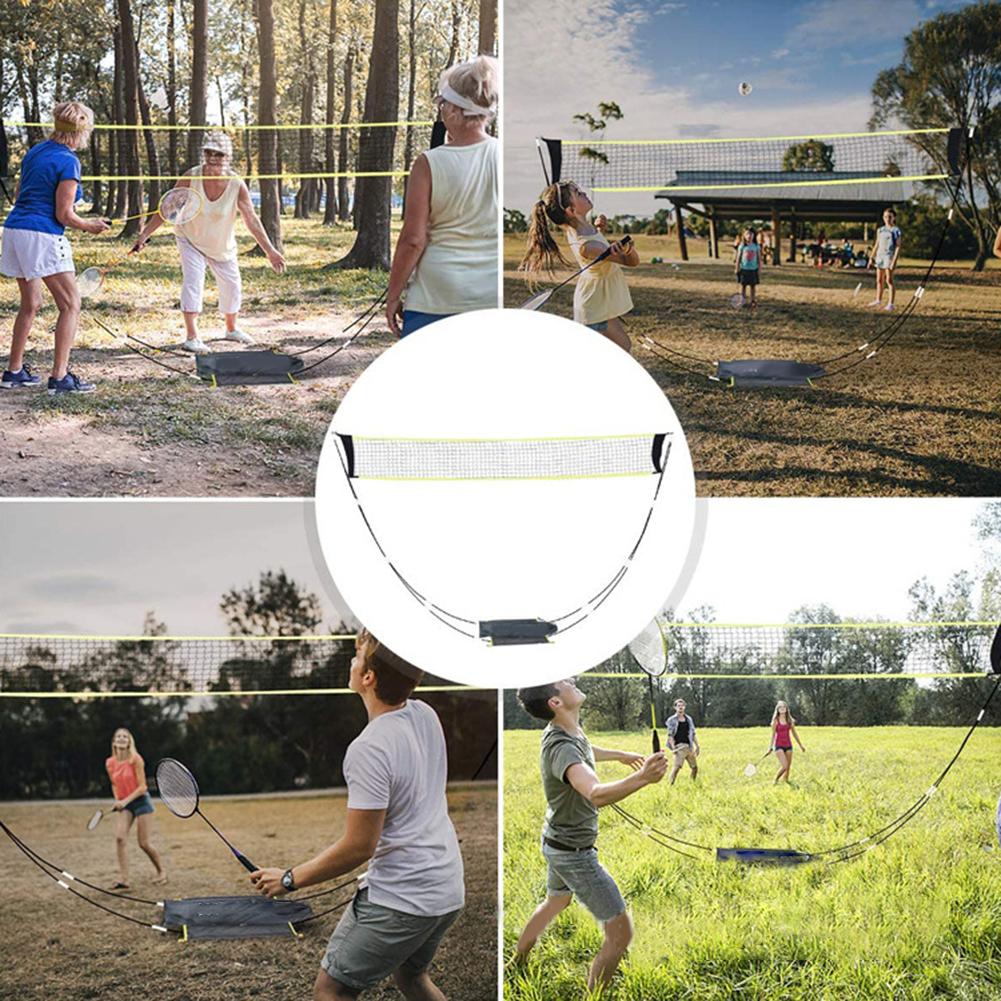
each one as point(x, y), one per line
point(196, 347)
point(890, 307)
point(237, 335)
point(875, 302)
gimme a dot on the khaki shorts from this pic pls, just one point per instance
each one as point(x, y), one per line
point(683, 753)
point(371, 941)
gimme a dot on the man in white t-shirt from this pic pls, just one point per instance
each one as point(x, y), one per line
point(397, 821)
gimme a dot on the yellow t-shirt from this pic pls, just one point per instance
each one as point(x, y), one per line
point(213, 230)
point(601, 293)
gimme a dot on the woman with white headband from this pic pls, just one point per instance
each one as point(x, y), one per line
point(209, 240)
point(35, 249)
point(448, 245)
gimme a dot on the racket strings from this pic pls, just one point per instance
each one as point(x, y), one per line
point(177, 788)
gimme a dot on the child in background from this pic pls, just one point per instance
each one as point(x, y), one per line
point(885, 252)
point(601, 297)
point(747, 264)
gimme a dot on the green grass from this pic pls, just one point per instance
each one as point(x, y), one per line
point(918, 917)
point(918, 419)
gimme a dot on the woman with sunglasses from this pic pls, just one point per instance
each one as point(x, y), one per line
point(209, 240)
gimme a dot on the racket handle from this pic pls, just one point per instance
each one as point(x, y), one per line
point(656, 742)
point(244, 861)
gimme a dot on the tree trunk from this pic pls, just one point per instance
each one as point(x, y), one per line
point(453, 45)
point(343, 189)
point(304, 193)
point(329, 139)
point(130, 86)
point(199, 79)
point(488, 27)
point(152, 156)
point(267, 153)
point(408, 146)
point(120, 135)
point(248, 147)
point(171, 91)
point(375, 152)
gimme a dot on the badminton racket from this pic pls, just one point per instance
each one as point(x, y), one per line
point(539, 300)
point(96, 819)
point(179, 791)
point(858, 288)
point(737, 300)
point(178, 205)
point(751, 768)
point(649, 650)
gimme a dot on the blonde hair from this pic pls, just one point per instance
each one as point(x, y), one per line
point(73, 123)
point(542, 252)
point(775, 715)
point(476, 81)
point(133, 750)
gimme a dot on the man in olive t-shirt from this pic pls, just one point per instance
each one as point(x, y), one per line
point(574, 794)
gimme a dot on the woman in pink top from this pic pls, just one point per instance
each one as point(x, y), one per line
point(127, 773)
point(783, 733)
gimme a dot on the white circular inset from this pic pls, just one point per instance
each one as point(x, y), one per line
point(744, 88)
point(505, 497)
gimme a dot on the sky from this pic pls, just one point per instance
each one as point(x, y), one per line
point(673, 67)
point(96, 568)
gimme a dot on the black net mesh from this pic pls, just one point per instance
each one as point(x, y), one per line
point(682, 165)
point(502, 459)
point(805, 651)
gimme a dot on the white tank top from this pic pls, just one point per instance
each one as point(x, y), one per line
point(213, 230)
point(458, 270)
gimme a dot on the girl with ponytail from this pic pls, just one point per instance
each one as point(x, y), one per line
point(602, 296)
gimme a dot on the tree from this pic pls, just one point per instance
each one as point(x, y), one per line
point(950, 76)
point(810, 155)
point(199, 77)
point(376, 146)
point(329, 140)
point(488, 27)
point(267, 153)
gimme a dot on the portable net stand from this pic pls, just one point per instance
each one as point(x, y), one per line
point(531, 459)
point(975, 644)
point(803, 161)
point(860, 160)
point(193, 918)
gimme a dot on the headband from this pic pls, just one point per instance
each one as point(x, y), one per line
point(469, 108)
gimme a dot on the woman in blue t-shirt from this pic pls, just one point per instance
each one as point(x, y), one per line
point(35, 250)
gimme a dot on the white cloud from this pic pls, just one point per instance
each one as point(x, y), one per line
point(779, 53)
point(833, 24)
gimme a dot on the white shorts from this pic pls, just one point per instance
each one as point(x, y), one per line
point(227, 276)
point(28, 254)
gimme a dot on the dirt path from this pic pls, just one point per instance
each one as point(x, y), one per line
point(147, 432)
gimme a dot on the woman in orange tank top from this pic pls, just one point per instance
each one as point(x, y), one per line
point(127, 773)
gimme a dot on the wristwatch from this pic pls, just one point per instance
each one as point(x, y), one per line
point(287, 881)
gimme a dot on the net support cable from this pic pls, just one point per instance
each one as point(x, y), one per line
point(749, 162)
point(495, 459)
point(829, 856)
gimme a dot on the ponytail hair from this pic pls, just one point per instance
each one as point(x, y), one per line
point(542, 252)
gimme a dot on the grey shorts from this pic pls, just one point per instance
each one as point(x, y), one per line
point(581, 874)
point(371, 941)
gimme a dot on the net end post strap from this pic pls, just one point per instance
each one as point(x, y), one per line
point(554, 149)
